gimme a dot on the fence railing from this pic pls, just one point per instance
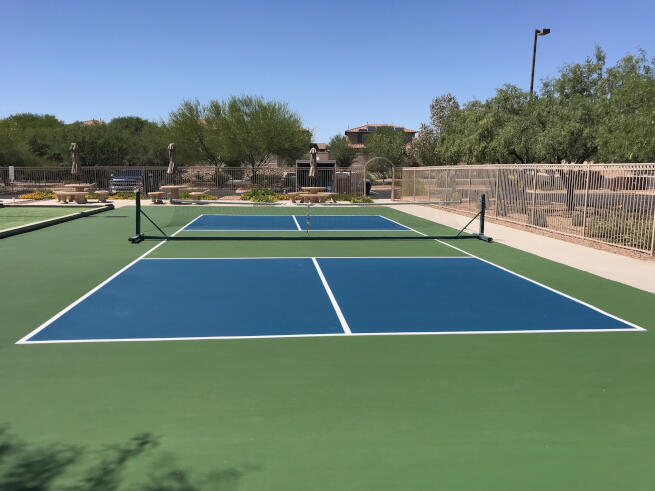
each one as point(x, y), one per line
point(609, 203)
point(222, 181)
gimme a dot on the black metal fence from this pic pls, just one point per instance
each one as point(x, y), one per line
point(223, 181)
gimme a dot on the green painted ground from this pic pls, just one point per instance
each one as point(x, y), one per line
point(14, 216)
point(533, 411)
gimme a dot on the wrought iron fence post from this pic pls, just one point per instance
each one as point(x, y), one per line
point(652, 237)
point(534, 197)
point(469, 193)
point(496, 192)
point(393, 182)
point(414, 182)
point(428, 183)
point(586, 201)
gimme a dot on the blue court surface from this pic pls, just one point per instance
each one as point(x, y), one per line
point(293, 222)
point(174, 299)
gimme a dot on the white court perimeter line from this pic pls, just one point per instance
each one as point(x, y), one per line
point(301, 257)
point(634, 327)
point(333, 300)
point(24, 339)
point(329, 335)
point(405, 228)
point(196, 218)
point(601, 311)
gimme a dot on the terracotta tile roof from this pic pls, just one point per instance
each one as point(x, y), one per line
point(89, 122)
point(371, 127)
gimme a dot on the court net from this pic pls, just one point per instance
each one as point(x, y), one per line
point(17, 218)
point(283, 221)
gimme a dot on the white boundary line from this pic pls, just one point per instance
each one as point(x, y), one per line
point(24, 339)
point(303, 257)
point(335, 305)
point(581, 302)
point(405, 228)
point(633, 326)
point(327, 335)
point(196, 218)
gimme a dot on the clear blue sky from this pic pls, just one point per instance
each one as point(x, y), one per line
point(338, 64)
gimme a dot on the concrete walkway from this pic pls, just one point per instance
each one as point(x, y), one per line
point(630, 271)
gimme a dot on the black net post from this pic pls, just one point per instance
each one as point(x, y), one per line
point(138, 212)
point(138, 236)
point(483, 207)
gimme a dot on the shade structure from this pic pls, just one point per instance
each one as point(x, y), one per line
point(171, 158)
point(75, 166)
point(312, 162)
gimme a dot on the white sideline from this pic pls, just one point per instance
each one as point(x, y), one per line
point(329, 335)
point(404, 227)
point(634, 326)
point(342, 320)
point(638, 273)
point(25, 339)
point(335, 305)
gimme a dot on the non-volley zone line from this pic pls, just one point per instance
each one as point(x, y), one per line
point(231, 298)
point(273, 223)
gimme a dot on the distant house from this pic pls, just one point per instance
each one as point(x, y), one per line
point(322, 154)
point(357, 137)
point(91, 122)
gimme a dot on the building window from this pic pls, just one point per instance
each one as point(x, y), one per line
point(361, 137)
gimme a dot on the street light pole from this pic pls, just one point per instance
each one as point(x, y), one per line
point(537, 32)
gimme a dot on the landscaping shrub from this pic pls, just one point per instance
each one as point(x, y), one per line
point(38, 194)
point(538, 218)
point(263, 196)
point(577, 219)
point(620, 227)
point(361, 199)
point(353, 198)
point(123, 195)
point(205, 196)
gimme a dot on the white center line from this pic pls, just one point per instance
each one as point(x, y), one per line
point(335, 305)
point(297, 224)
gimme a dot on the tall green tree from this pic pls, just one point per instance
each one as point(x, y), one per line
point(25, 138)
point(588, 112)
point(628, 134)
point(147, 141)
point(519, 120)
point(467, 134)
point(425, 147)
point(30, 139)
point(251, 130)
point(390, 145)
point(576, 109)
point(341, 151)
point(196, 135)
